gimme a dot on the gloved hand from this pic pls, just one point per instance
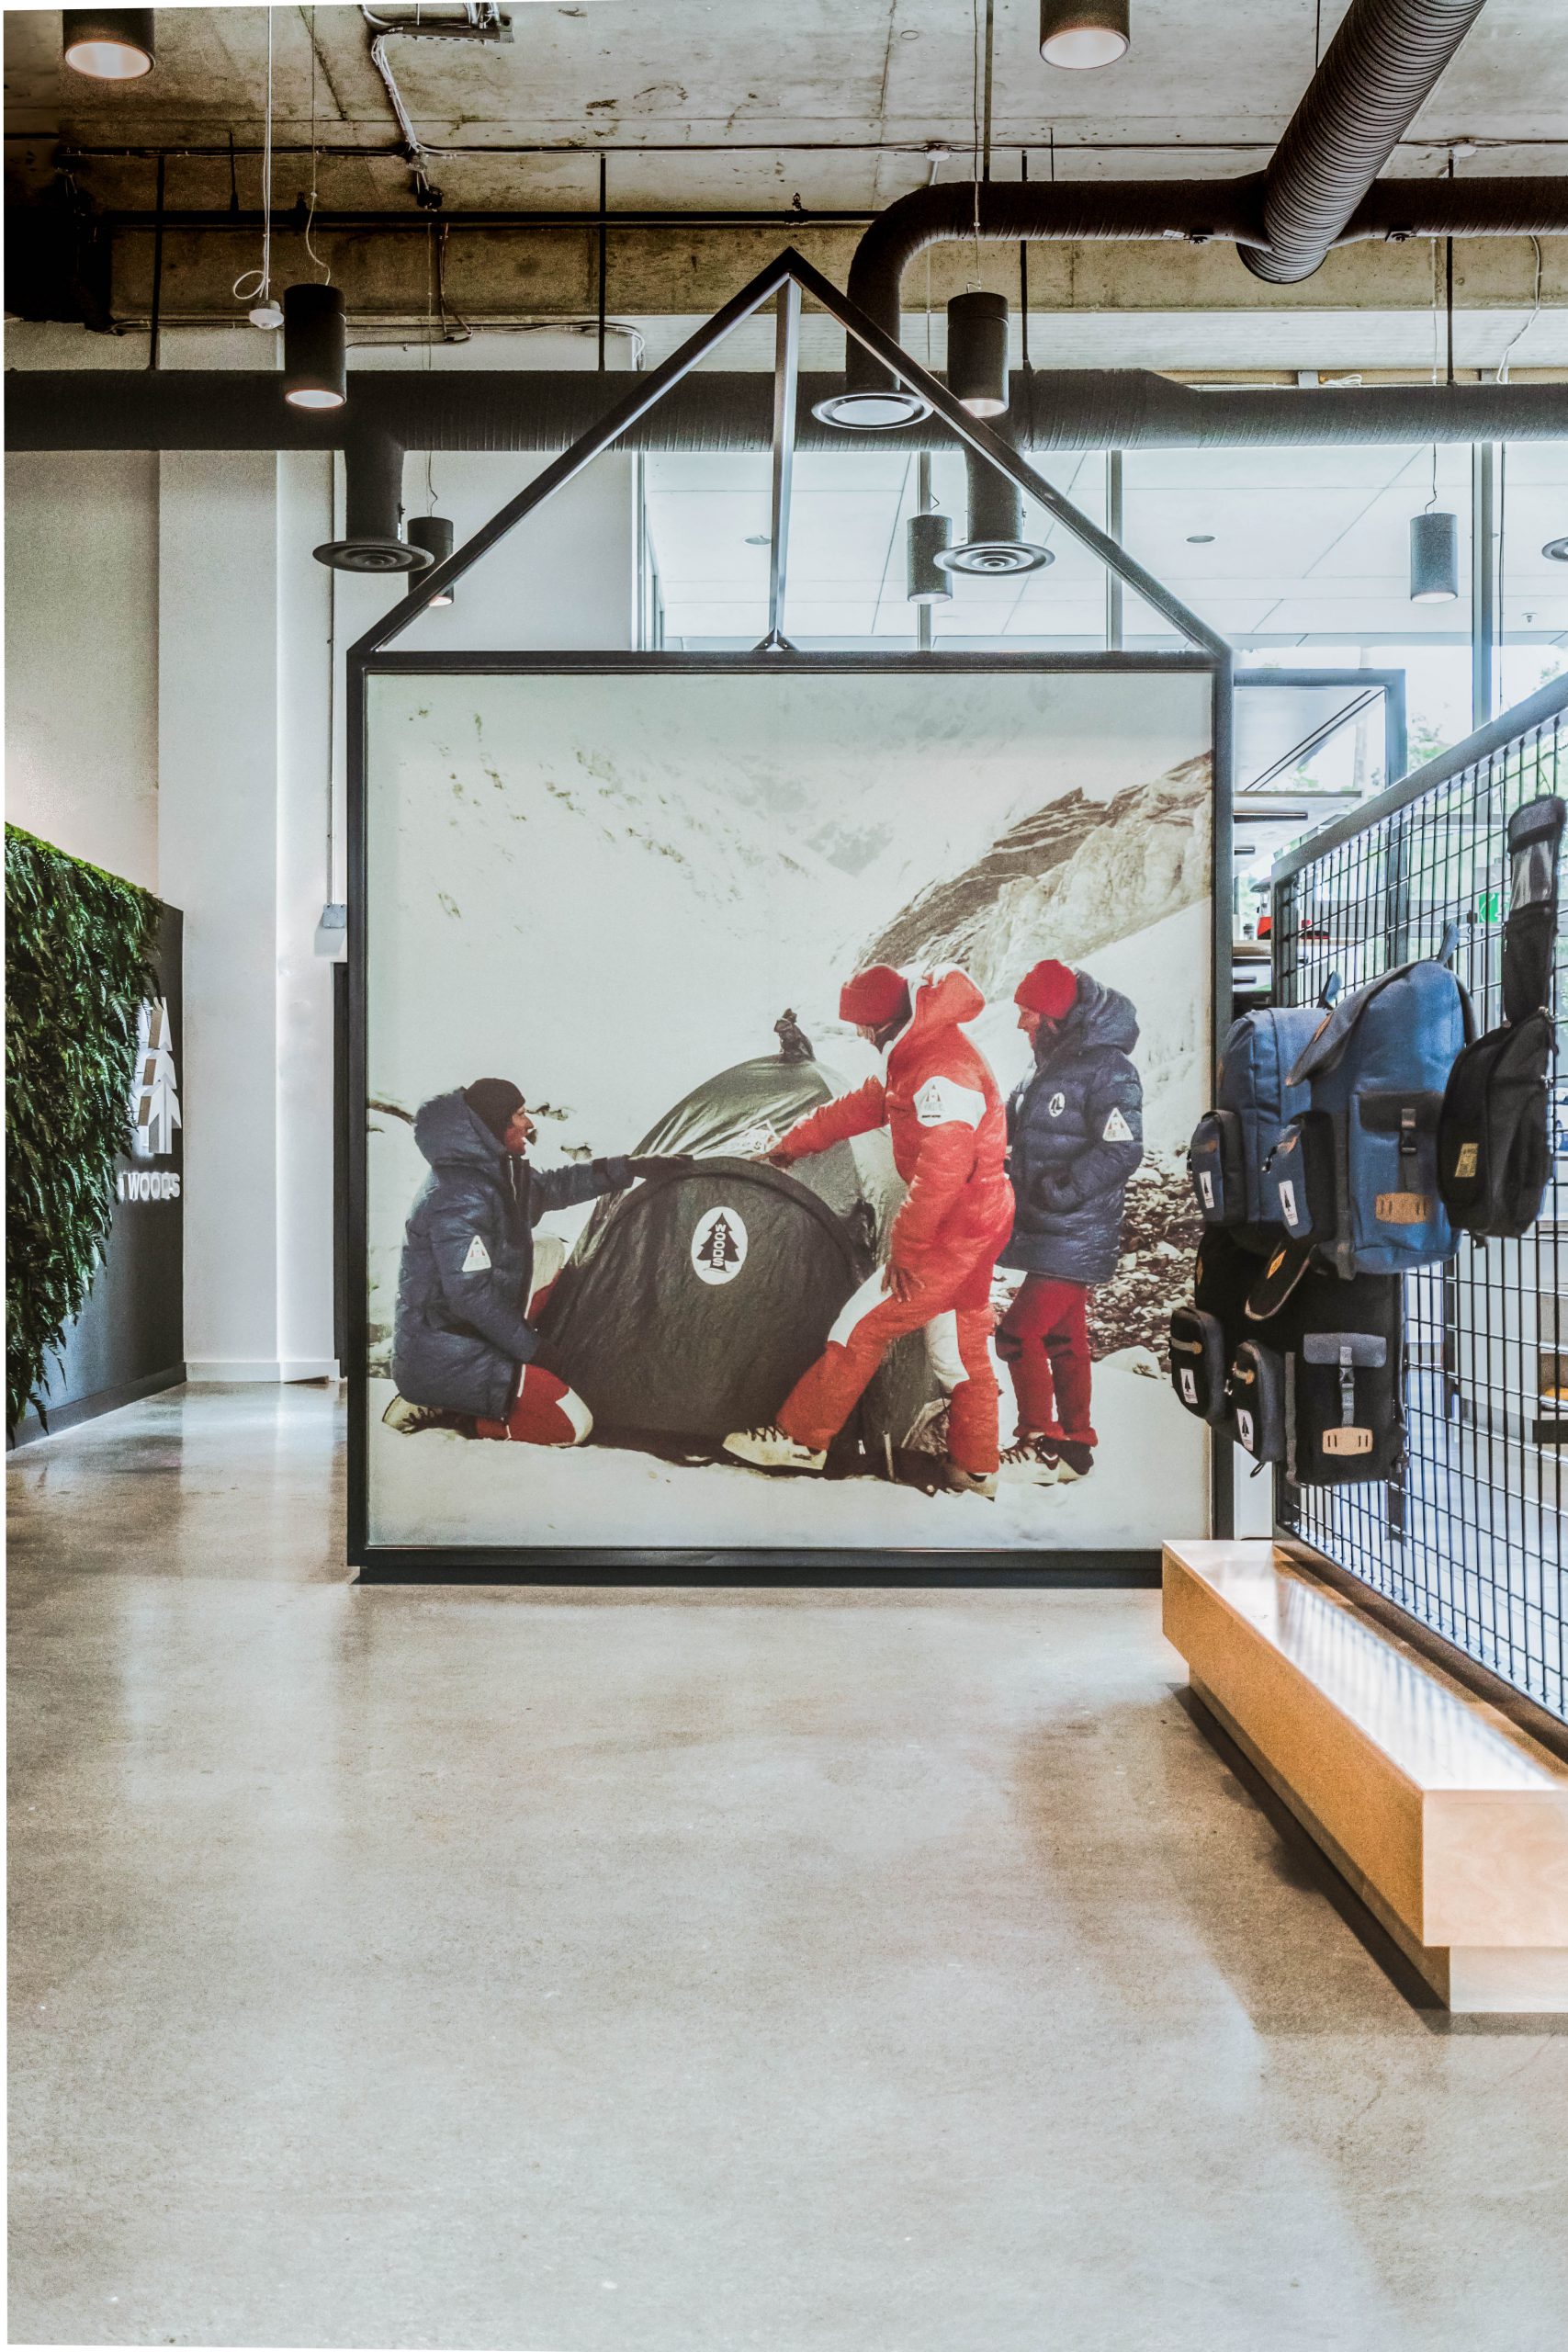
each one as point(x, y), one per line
point(669, 1163)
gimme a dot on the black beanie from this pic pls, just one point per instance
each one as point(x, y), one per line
point(493, 1100)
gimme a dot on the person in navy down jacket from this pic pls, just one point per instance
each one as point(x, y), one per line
point(462, 1347)
point(1075, 1136)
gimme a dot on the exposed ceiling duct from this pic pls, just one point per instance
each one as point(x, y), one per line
point(1198, 211)
point(1067, 408)
point(1320, 190)
point(1380, 69)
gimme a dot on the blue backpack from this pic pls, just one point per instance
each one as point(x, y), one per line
point(1353, 1179)
point(1255, 1100)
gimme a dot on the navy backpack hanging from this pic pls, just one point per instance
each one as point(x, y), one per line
point(1493, 1144)
point(1353, 1180)
point(1254, 1101)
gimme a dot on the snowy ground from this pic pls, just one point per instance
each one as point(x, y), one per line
point(1149, 1482)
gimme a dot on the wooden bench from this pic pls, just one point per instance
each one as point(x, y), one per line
point(1448, 1820)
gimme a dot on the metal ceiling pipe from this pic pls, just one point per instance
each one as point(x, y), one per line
point(373, 519)
point(1192, 211)
point(993, 543)
point(1378, 72)
point(1074, 408)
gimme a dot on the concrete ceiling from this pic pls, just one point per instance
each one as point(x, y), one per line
point(706, 108)
point(833, 100)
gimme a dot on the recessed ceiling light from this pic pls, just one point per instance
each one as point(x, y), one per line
point(1200, 538)
point(1557, 549)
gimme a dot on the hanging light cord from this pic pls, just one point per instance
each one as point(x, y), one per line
point(262, 289)
point(975, 125)
point(1535, 313)
point(325, 267)
point(933, 165)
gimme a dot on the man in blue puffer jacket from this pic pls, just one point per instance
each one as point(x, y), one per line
point(1075, 1136)
point(462, 1345)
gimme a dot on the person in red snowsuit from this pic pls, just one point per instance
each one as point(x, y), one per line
point(944, 1114)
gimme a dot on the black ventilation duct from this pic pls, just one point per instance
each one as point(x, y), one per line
point(1069, 408)
point(995, 541)
point(374, 515)
point(1380, 67)
point(1151, 212)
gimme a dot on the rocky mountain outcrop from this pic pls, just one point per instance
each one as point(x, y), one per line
point(1072, 878)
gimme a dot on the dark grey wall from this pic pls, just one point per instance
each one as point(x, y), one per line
point(128, 1339)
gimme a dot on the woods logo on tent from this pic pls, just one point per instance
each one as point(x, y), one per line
point(718, 1245)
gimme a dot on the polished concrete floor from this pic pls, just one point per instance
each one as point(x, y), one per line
point(661, 1972)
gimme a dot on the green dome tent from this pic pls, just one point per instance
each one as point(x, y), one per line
point(692, 1303)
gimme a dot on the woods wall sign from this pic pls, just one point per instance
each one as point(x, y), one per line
point(154, 1109)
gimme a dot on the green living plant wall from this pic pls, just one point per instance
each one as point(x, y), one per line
point(78, 967)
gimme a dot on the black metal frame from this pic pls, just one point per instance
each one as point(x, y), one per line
point(1468, 1543)
point(1388, 683)
point(787, 278)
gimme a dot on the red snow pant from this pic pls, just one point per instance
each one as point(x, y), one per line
point(1043, 1341)
point(545, 1412)
point(955, 1308)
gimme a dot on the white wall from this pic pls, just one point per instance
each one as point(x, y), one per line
point(81, 670)
point(176, 712)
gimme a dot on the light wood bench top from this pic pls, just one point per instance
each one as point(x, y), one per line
point(1434, 1731)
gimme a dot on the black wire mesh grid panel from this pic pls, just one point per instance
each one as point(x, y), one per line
point(1469, 1542)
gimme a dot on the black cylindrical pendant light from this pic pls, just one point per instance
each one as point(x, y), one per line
point(996, 542)
point(315, 346)
point(109, 44)
point(1082, 33)
point(928, 535)
point(434, 533)
point(1434, 558)
point(977, 352)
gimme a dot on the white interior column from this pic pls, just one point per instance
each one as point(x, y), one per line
point(218, 858)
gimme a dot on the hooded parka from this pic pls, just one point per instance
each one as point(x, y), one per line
point(462, 1330)
point(1076, 1135)
point(944, 1118)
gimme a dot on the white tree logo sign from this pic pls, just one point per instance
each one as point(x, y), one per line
point(155, 1107)
point(718, 1245)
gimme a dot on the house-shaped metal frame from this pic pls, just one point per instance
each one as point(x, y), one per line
point(784, 282)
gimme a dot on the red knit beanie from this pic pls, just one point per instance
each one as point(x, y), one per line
point(1050, 989)
point(875, 997)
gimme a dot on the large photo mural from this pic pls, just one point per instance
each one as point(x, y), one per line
point(778, 1087)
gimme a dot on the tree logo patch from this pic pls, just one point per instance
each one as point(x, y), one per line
point(720, 1245)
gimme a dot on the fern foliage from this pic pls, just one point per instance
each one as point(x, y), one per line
point(78, 967)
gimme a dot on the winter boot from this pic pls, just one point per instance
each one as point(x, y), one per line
point(769, 1449)
point(969, 1482)
point(1030, 1461)
point(408, 1419)
point(1076, 1460)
